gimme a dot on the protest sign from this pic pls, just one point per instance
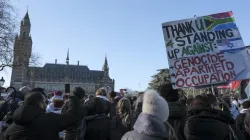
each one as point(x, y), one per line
point(205, 50)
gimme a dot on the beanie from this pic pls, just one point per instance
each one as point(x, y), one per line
point(155, 105)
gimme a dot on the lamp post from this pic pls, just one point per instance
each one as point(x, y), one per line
point(2, 82)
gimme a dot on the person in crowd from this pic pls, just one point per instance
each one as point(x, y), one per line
point(113, 104)
point(210, 122)
point(134, 98)
point(177, 111)
point(96, 125)
point(90, 96)
point(124, 119)
point(31, 122)
point(56, 105)
point(71, 132)
point(12, 102)
point(138, 105)
point(101, 93)
point(233, 108)
point(150, 124)
point(25, 90)
point(241, 117)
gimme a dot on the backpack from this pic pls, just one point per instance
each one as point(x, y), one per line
point(81, 130)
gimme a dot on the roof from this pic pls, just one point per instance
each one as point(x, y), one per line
point(78, 73)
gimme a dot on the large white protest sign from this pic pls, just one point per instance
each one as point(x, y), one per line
point(205, 50)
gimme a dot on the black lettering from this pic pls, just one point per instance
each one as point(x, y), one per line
point(190, 27)
point(167, 30)
point(188, 37)
point(201, 27)
point(222, 34)
point(181, 30)
point(229, 33)
point(211, 36)
point(171, 54)
point(196, 37)
point(203, 36)
point(180, 41)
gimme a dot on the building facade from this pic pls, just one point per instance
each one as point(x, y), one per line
point(53, 76)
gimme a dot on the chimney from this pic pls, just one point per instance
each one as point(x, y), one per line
point(78, 63)
point(55, 61)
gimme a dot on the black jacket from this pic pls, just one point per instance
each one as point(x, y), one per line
point(210, 124)
point(177, 118)
point(70, 133)
point(121, 127)
point(32, 123)
point(241, 126)
point(99, 129)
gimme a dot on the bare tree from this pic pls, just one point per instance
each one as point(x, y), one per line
point(7, 37)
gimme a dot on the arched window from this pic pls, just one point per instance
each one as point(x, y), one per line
point(24, 34)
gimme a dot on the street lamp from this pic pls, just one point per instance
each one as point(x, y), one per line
point(2, 81)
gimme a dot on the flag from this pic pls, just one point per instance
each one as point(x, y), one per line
point(239, 88)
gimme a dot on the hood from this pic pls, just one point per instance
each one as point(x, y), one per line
point(26, 114)
point(155, 105)
point(150, 125)
point(210, 113)
point(176, 110)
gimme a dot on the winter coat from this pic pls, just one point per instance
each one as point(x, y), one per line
point(32, 123)
point(98, 129)
point(70, 132)
point(112, 110)
point(122, 126)
point(147, 127)
point(240, 123)
point(51, 108)
point(177, 118)
point(210, 124)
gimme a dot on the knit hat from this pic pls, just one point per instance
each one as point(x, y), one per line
point(58, 95)
point(155, 105)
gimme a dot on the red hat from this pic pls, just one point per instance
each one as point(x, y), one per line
point(57, 93)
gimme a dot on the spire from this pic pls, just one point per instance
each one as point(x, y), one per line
point(105, 61)
point(105, 66)
point(67, 59)
point(26, 19)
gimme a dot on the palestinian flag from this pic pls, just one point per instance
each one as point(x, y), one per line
point(241, 88)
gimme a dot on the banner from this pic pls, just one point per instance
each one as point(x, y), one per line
point(205, 50)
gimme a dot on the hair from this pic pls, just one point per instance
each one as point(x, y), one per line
point(210, 98)
point(124, 109)
point(25, 90)
point(200, 101)
point(58, 103)
point(40, 90)
point(79, 91)
point(246, 104)
point(101, 91)
point(111, 96)
point(168, 93)
point(190, 101)
point(95, 106)
point(34, 98)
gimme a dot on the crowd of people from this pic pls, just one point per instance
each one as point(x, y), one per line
point(31, 114)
